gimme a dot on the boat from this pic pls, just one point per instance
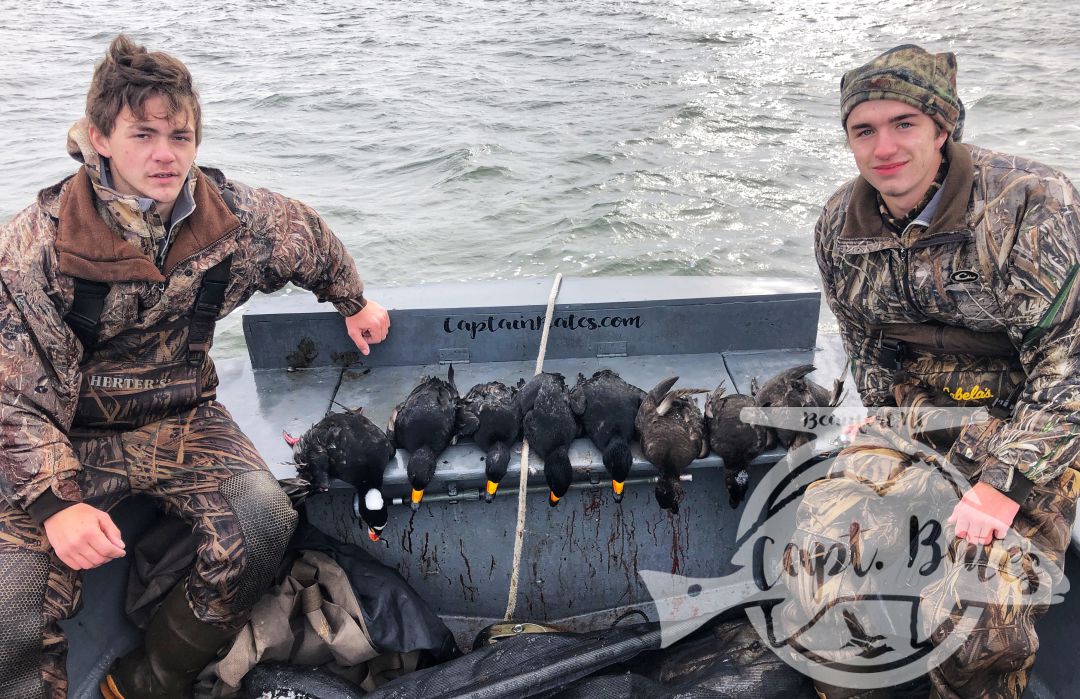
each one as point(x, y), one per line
point(580, 567)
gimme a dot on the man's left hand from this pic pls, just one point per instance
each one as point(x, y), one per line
point(984, 514)
point(369, 326)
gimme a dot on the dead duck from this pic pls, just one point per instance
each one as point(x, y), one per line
point(423, 425)
point(672, 431)
point(736, 442)
point(607, 406)
point(550, 427)
point(791, 389)
point(350, 447)
point(526, 391)
point(489, 414)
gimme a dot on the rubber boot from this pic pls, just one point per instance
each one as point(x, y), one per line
point(176, 648)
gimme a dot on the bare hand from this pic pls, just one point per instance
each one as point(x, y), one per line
point(84, 537)
point(984, 514)
point(369, 326)
point(849, 432)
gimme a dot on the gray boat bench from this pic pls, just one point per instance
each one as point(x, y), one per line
point(581, 559)
point(583, 556)
point(705, 330)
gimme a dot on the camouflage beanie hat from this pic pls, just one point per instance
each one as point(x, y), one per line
point(926, 81)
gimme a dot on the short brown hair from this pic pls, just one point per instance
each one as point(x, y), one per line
point(129, 75)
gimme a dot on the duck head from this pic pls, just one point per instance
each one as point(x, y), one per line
point(668, 494)
point(374, 513)
point(559, 474)
point(495, 464)
point(617, 460)
point(420, 469)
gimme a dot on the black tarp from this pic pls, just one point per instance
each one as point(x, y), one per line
point(397, 618)
point(724, 660)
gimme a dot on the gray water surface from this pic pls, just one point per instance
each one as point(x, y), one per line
point(468, 139)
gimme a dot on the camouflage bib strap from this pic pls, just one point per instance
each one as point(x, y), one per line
point(896, 340)
point(85, 313)
point(938, 337)
point(207, 307)
point(1003, 407)
point(892, 353)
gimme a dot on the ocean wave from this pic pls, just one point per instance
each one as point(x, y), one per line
point(660, 133)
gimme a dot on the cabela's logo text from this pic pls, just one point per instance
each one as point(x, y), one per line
point(977, 392)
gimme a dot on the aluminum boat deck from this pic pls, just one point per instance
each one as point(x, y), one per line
point(581, 561)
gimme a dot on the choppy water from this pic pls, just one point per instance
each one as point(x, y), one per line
point(470, 139)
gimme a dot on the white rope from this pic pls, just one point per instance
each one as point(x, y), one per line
point(523, 481)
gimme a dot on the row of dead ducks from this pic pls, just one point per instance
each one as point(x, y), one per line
point(671, 428)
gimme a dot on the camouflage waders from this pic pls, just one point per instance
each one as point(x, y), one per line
point(198, 466)
point(136, 414)
point(995, 657)
point(146, 422)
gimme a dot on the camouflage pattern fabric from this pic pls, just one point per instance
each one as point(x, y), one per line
point(995, 657)
point(81, 228)
point(129, 414)
point(181, 463)
point(1001, 256)
point(909, 74)
point(142, 377)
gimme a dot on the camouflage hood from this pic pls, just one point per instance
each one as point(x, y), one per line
point(126, 214)
point(79, 148)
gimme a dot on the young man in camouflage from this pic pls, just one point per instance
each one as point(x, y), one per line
point(953, 273)
point(111, 283)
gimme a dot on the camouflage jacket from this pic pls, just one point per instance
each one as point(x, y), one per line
point(1001, 255)
point(79, 228)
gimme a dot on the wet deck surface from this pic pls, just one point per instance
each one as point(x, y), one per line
point(582, 560)
point(583, 557)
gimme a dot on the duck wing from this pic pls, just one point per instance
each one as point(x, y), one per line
point(579, 400)
point(674, 397)
point(714, 399)
point(391, 425)
point(466, 420)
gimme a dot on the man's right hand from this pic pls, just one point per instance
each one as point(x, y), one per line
point(368, 326)
point(84, 537)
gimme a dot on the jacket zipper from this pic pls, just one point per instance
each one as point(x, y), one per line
point(905, 280)
point(195, 254)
